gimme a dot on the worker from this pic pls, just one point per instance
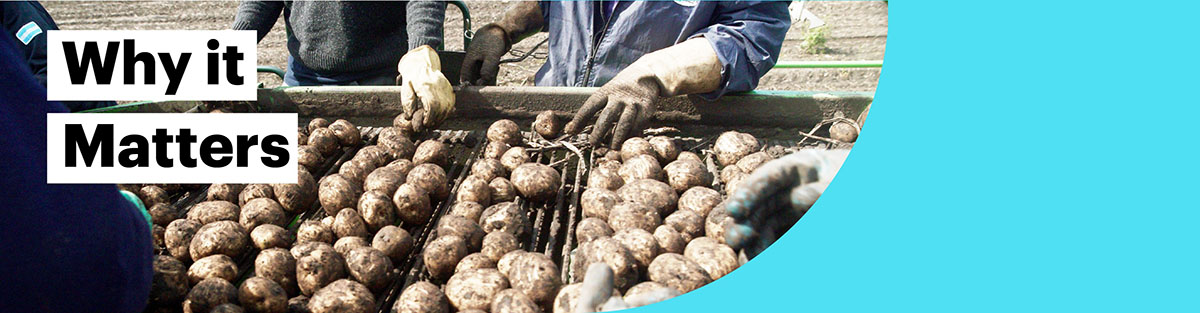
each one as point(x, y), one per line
point(637, 51)
point(776, 195)
point(67, 247)
point(362, 43)
point(28, 22)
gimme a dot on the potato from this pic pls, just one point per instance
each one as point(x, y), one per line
point(262, 211)
point(346, 133)
point(475, 189)
point(605, 178)
point(279, 266)
point(212, 211)
point(646, 288)
point(220, 237)
point(636, 146)
point(494, 150)
point(308, 157)
point(474, 261)
point(664, 148)
point(421, 297)
point(498, 243)
point(547, 125)
point(298, 304)
point(151, 195)
point(374, 155)
point(403, 125)
point(474, 289)
point(535, 275)
point(271, 236)
point(432, 151)
point(513, 301)
point(715, 258)
point(735, 182)
point(349, 223)
point(162, 214)
point(688, 155)
point(514, 157)
point(591, 228)
point(442, 254)
point(344, 245)
point(652, 193)
point(370, 267)
point(377, 210)
point(640, 243)
point(297, 197)
point(259, 294)
point(751, 162)
point(470, 210)
point(255, 191)
point(612, 155)
point(689, 224)
point(633, 215)
point(385, 179)
point(641, 167)
point(502, 190)
point(398, 145)
point(404, 166)
point(715, 224)
point(324, 140)
point(610, 164)
point(468, 230)
point(505, 131)
point(488, 169)
point(700, 200)
point(178, 238)
point(678, 272)
point(337, 193)
point(843, 131)
point(227, 192)
point(394, 242)
point(536, 181)
point(343, 295)
point(316, 123)
point(313, 231)
point(568, 298)
point(209, 294)
point(669, 240)
point(598, 202)
point(412, 204)
point(431, 178)
point(506, 262)
point(685, 174)
point(356, 170)
point(318, 268)
point(159, 232)
point(505, 217)
point(608, 251)
point(170, 283)
point(731, 146)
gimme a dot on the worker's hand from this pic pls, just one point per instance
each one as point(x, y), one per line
point(776, 195)
point(627, 102)
point(482, 62)
point(425, 95)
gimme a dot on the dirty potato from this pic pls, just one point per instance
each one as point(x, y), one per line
point(152, 195)
point(298, 304)
point(313, 231)
point(374, 155)
point(220, 237)
point(716, 223)
point(212, 211)
point(162, 214)
point(636, 146)
point(412, 204)
point(468, 230)
point(685, 174)
point(344, 245)
point(259, 294)
point(356, 170)
point(678, 272)
point(669, 240)
point(536, 181)
point(645, 289)
point(385, 179)
point(514, 157)
point(341, 296)
point(547, 125)
point(255, 191)
point(591, 228)
point(324, 140)
point(377, 210)
point(475, 289)
point(700, 200)
point(513, 301)
point(262, 211)
point(370, 267)
point(488, 169)
point(394, 242)
point(475, 189)
point(751, 162)
point(432, 151)
point(209, 294)
point(602, 177)
point(608, 251)
point(652, 193)
point(308, 157)
point(688, 155)
point(641, 166)
point(598, 202)
point(689, 224)
point(337, 193)
point(506, 217)
point(470, 210)
point(502, 190)
point(316, 123)
point(498, 243)
point(398, 145)
point(474, 261)
point(349, 223)
point(731, 146)
point(495, 150)
point(640, 243)
point(170, 283)
point(296, 197)
point(227, 192)
point(271, 236)
point(664, 148)
point(318, 268)
point(843, 131)
point(633, 215)
point(431, 178)
point(159, 232)
point(715, 258)
point(535, 275)
point(505, 131)
point(422, 297)
point(279, 266)
point(345, 132)
point(178, 238)
point(442, 254)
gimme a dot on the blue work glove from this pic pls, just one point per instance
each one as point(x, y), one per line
point(137, 203)
point(776, 195)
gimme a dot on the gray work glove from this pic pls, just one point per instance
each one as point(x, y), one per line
point(776, 195)
point(628, 100)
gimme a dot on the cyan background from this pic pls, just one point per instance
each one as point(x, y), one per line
point(1020, 156)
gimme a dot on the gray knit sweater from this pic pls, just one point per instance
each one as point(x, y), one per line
point(334, 37)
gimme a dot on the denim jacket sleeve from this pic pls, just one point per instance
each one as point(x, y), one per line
point(747, 36)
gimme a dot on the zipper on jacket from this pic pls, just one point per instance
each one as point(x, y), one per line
point(587, 74)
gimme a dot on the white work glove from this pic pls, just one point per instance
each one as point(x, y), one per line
point(425, 94)
point(629, 98)
point(596, 292)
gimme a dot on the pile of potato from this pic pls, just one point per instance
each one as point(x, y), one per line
point(477, 250)
point(658, 226)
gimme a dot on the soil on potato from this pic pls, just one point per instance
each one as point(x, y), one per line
point(857, 31)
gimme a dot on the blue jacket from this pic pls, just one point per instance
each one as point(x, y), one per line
point(27, 22)
point(587, 50)
point(69, 247)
